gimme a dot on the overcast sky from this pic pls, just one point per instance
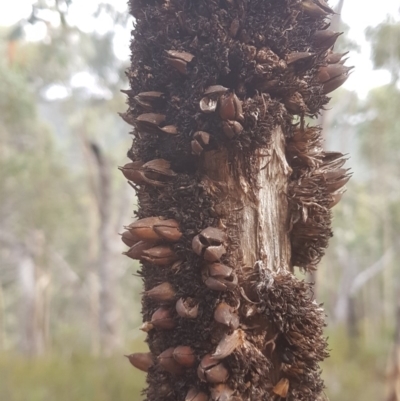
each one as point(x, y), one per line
point(358, 14)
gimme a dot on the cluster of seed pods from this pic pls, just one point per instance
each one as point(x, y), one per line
point(150, 240)
point(207, 75)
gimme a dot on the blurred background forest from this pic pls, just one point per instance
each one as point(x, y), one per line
point(70, 303)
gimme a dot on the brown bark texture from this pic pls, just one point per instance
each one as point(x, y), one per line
point(234, 192)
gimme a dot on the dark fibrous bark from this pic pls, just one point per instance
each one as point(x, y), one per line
point(234, 191)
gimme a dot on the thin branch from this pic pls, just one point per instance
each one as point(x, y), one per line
point(362, 278)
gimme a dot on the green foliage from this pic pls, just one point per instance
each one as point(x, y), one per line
point(379, 131)
point(385, 39)
point(16, 102)
point(74, 378)
point(355, 370)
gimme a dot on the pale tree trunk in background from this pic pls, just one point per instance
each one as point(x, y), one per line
point(2, 320)
point(92, 252)
point(394, 366)
point(108, 310)
point(389, 240)
point(102, 276)
point(27, 284)
point(33, 283)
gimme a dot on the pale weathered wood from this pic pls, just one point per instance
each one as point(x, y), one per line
point(254, 205)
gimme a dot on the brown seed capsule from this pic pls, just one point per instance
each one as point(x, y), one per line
point(168, 233)
point(180, 65)
point(202, 137)
point(225, 315)
point(146, 327)
point(142, 361)
point(148, 99)
point(337, 184)
point(221, 392)
point(180, 55)
point(295, 104)
point(214, 253)
point(179, 60)
point(131, 171)
point(326, 38)
point(128, 92)
point(167, 230)
point(215, 90)
point(282, 388)
point(170, 130)
point(150, 122)
point(298, 56)
point(323, 75)
point(232, 128)
point(129, 239)
point(136, 251)
point(215, 284)
point(334, 58)
point(200, 140)
point(228, 344)
point(168, 363)
point(128, 118)
point(335, 174)
point(219, 270)
point(196, 395)
point(163, 293)
point(158, 169)
point(230, 107)
point(213, 235)
point(209, 244)
point(197, 149)
point(209, 103)
point(219, 277)
point(329, 157)
point(312, 9)
point(212, 371)
point(155, 172)
point(162, 319)
point(185, 356)
point(159, 166)
point(143, 229)
point(324, 5)
point(197, 245)
point(332, 71)
point(187, 308)
point(155, 228)
point(150, 96)
point(334, 83)
point(161, 255)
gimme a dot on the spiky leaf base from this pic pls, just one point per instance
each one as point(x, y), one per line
point(216, 88)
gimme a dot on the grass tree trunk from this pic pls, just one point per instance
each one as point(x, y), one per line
point(234, 191)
